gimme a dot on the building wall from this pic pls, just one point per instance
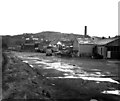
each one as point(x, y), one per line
point(115, 55)
point(114, 52)
point(110, 52)
point(75, 45)
point(114, 49)
point(85, 50)
point(102, 50)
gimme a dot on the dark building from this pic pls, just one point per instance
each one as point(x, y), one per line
point(28, 47)
point(29, 44)
point(109, 48)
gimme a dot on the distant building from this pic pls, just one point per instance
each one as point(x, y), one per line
point(29, 43)
point(42, 45)
point(66, 44)
point(28, 47)
point(62, 43)
point(31, 39)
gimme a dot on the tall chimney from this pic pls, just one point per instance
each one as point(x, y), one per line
point(85, 32)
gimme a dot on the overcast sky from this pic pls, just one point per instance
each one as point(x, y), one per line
point(66, 16)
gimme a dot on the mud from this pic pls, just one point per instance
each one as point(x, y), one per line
point(37, 77)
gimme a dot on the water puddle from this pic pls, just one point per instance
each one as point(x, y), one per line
point(116, 92)
point(29, 58)
point(30, 61)
point(99, 73)
point(31, 66)
point(93, 100)
point(98, 80)
point(95, 70)
point(70, 71)
point(25, 61)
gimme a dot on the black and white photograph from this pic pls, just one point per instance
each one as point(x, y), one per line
point(59, 50)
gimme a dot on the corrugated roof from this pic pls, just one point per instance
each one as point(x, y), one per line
point(85, 41)
point(105, 41)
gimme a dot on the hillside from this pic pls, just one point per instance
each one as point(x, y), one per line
point(47, 35)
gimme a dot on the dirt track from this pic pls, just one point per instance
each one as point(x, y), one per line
point(20, 81)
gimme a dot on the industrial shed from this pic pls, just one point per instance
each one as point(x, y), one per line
point(84, 47)
point(109, 48)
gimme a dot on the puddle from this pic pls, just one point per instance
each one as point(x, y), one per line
point(31, 66)
point(65, 74)
point(116, 92)
point(93, 100)
point(89, 78)
point(71, 71)
point(100, 79)
point(40, 62)
point(53, 84)
point(29, 58)
point(47, 67)
point(25, 61)
point(98, 73)
point(30, 61)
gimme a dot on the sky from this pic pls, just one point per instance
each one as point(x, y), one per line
point(66, 16)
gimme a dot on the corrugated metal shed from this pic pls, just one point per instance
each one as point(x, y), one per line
point(105, 41)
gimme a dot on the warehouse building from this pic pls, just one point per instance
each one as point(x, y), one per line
point(109, 48)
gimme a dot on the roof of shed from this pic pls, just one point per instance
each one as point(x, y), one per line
point(105, 41)
point(85, 41)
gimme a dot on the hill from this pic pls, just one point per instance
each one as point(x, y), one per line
point(47, 35)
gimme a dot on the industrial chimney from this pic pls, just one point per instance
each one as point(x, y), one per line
point(85, 32)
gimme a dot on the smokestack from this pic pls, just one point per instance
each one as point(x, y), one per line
point(85, 33)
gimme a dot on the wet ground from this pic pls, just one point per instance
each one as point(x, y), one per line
point(75, 78)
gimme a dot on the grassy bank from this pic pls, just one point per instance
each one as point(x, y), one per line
point(20, 81)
